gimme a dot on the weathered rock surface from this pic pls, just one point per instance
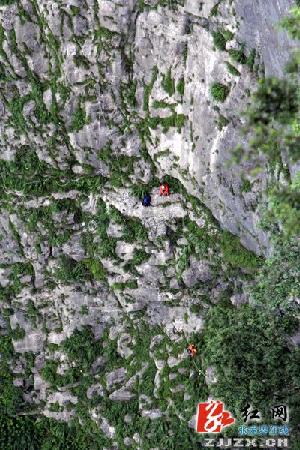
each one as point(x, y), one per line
point(99, 101)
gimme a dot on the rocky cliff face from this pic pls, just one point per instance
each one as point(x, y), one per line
point(100, 100)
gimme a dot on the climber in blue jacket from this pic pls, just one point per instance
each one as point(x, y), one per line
point(146, 200)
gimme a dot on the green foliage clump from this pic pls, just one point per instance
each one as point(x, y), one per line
point(82, 348)
point(235, 254)
point(180, 86)
point(215, 9)
point(16, 110)
point(36, 433)
point(96, 268)
point(228, 35)
point(131, 284)
point(139, 256)
point(238, 55)
point(15, 286)
point(272, 123)
point(49, 372)
point(133, 229)
point(219, 92)
point(168, 83)
point(107, 246)
point(176, 121)
point(250, 346)
point(6, 2)
point(292, 23)
point(79, 119)
point(274, 100)
point(10, 395)
point(121, 166)
point(199, 242)
point(80, 61)
point(277, 287)
point(32, 176)
point(219, 40)
point(72, 271)
point(251, 59)
point(128, 93)
point(284, 208)
point(17, 333)
point(250, 352)
point(232, 69)
point(222, 122)
point(75, 10)
point(252, 343)
point(246, 185)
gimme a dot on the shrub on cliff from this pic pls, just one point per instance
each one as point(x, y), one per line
point(219, 92)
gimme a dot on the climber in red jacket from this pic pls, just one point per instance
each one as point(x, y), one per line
point(192, 351)
point(164, 189)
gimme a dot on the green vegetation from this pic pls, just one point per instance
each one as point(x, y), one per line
point(219, 40)
point(99, 224)
point(120, 166)
point(228, 35)
point(235, 254)
point(14, 287)
point(75, 10)
point(171, 4)
point(221, 37)
point(215, 9)
point(6, 2)
point(238, 55)
point(291, 22)
point(246, 185)
point(139, 256)
point(219, 92)
point(79, 119)
point(168, 83)
point(232, 70)
point(82, 348)
point(273, 100)
point(284, 208)
point(34, 177)
point(180, 86)
point(176, 121)
point(251, 59)
point(199, 242)
point(250, 345)
point(17, 333)
point(148, 88)
point(132, 284)
point(10, 396)
point(42, 433)
point(222, 122)
point(133, 229)
point(249, 348)
point(96, 268)
point(71, 271)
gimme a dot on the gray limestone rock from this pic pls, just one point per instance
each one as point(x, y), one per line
point(210, 376)
point(199, 271)
point(122, 395)
point(258, 28)
point(73, 248)
point(89, 97)
point(94, 391)
point(116, 377)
